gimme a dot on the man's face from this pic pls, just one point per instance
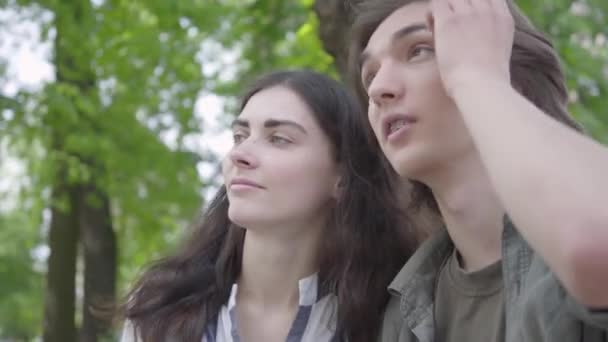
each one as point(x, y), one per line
point(417, 125)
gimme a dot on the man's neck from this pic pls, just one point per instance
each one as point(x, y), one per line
point(471, 211)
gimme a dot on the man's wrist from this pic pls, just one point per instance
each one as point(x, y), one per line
point(476, 85)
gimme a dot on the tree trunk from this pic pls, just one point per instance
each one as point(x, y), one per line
point(59, 325)
point(90, 205)
point(335, 18)
point(99, 251)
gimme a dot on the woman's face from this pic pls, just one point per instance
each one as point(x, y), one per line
point(281, 169)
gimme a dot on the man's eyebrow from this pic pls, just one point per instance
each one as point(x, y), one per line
point(271, 123)
point(410, 29)
point(402, 32)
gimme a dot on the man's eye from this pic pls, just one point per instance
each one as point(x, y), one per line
point(367, 79)
point(420, 51)
point(278, 140)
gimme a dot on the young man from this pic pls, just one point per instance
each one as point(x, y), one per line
point(467, 100)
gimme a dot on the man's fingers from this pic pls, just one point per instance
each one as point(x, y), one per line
point(430, 21)
point(500, 5)
point(481, 4)
point(440, 9)
point(459, 5)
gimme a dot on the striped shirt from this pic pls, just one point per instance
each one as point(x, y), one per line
point(314, 321)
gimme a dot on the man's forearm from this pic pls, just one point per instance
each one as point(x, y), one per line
point(552, 180)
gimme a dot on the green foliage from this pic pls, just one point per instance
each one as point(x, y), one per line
point(271, 34)
point(579, 32)
point(21, 285)
point(130, 78)
point(134, 78)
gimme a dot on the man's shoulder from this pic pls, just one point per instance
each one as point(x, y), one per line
point(426, 261)
point(394, 327)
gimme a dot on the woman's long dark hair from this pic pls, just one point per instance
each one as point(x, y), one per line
point(365, 245)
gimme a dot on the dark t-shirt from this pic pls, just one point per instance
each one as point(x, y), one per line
point(469, 306)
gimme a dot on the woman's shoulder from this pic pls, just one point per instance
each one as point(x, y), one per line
point(128, 332)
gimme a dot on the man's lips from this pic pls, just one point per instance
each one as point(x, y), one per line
point(393, 123)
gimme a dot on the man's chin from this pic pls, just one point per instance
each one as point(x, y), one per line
point(410, 169)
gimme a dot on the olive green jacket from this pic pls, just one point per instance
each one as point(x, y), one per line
point(537, 307)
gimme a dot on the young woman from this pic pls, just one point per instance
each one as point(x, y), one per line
point(301, 241)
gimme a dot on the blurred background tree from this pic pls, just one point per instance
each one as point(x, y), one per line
point(110, 151)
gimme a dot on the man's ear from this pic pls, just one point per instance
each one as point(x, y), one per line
point(338, 188)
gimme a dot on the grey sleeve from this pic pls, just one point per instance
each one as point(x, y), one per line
point(547, 290)
point(592, 317)
point(595, 317)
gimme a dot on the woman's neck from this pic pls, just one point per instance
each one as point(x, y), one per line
point(275, 260)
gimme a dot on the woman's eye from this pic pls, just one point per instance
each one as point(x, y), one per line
point(237, 138)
